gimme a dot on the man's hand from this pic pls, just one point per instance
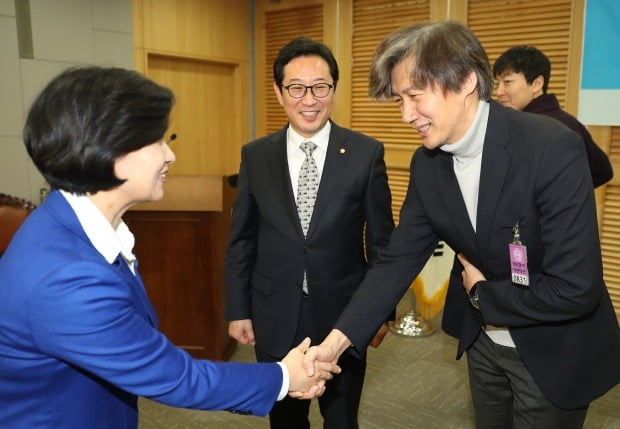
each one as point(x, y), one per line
point(380, 335)
point(301, 385)
point(471, 275)
point(242, 331)
point(328, 351)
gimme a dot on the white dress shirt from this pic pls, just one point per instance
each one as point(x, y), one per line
point(296, 156)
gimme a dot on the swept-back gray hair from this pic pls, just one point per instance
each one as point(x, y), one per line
point(443, 53)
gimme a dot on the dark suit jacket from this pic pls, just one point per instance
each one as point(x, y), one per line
point(534, 171)
point(79, 344)
point(600, 166)
point(267, 252)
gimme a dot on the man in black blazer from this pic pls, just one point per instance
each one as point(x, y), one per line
point(285, 281)
point(511, 193)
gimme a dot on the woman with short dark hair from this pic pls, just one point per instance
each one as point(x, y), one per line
point(78, 337)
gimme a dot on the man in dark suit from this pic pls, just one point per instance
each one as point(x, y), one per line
point(511, 193)
point(296, 255)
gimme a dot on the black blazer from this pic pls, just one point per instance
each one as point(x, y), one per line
point(267, 252)
point(600, 166)
point(535, 172)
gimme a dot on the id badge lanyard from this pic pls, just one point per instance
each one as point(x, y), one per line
point(518, 258)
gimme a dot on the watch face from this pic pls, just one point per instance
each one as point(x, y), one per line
point(474, 303)
point(473, 296)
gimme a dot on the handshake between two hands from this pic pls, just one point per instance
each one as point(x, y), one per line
point(309, 368)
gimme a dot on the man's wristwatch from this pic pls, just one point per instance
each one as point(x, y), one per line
point(473, 296)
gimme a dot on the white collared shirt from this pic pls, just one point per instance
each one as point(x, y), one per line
point(107, 240)
point(296, 156)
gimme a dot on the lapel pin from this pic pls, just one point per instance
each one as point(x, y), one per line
point(342, 151)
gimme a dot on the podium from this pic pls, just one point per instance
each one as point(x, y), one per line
point(180, 245)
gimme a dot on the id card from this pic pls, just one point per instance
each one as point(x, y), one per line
point(518, 264)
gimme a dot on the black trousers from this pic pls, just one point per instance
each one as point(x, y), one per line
point(506, 396)
point(339, 404)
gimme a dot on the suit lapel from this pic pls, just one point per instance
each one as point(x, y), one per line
point(277, 162)
point(142, 297)
point(338, 150)
point(450, 193)
point(495, 164)
point(494, 167)
point(141, 301)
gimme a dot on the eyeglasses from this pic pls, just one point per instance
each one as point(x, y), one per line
point(319, 90)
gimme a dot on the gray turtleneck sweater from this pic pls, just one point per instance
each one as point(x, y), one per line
point(467, 156)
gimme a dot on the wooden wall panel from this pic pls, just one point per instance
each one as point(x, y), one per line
point(207, 117)
point(209, 28)
point(373, 20)
point(610, 217)
point(546, 24)
point(200, 49)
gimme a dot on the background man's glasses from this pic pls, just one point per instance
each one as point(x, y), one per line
point(319, 90)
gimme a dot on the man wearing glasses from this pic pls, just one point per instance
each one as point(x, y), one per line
point(313, 211)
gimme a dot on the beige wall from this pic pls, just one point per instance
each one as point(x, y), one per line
point(201, 50)
point(64, 33)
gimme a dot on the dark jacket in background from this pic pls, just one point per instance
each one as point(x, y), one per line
point(600, 167)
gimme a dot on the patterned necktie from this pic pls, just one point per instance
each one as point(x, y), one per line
point(306, 192)
point(307, 187)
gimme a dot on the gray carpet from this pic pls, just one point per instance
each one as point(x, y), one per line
point(411, 383)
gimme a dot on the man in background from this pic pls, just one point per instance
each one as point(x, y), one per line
point(313, 210)
point(522, 77)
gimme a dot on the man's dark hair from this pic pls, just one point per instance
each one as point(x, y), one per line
point(524, 59)
point(303, 47)
point(86, 118)
point(444, 54)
